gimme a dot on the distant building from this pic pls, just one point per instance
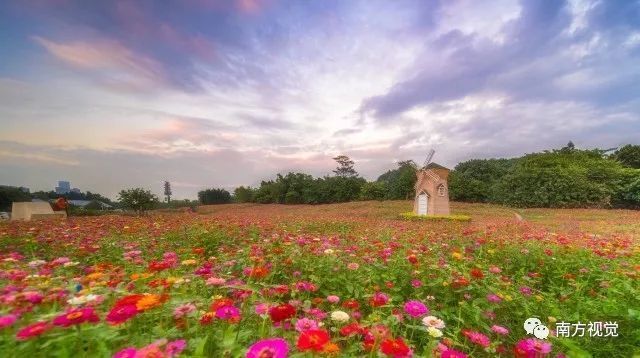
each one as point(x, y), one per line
point(63, 187)
point(83, 203)
point(76, 190)
point(432, 192)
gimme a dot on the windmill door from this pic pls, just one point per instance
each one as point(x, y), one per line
point(422, 204)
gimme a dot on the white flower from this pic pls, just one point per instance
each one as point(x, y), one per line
point(36, 263)
point(339, 316)
point(329, 251)
point(80, 300)
point(431, 321)
point(434, 332)
point(70, 263)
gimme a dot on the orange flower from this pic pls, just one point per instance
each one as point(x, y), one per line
point(149, 301)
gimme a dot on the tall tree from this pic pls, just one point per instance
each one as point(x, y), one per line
point(345, 167)
point(167, 191)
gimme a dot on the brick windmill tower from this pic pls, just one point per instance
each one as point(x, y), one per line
point(432, 189)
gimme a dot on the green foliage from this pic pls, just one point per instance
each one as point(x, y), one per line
point(474, 180)
point(400, 182)
point(214, 196)
point(9, 194)
point(243, 194)
point(628, 155)
point(560, 179)
point(137, 199)
point(375, 190)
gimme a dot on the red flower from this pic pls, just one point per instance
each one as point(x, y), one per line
point(460, 282)
point(351, 303)
point(395, 348)
point(32, 330)
point(351, 329)
point(77, 316)
point(477, 273)
point(281, 312)
point(313, 339)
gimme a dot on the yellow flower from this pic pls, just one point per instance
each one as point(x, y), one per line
point(189, 262)
point(508, 298)
point(456, 256)
point(539, 298)
point(445, 283)
point(552, 319)
point(491, 251)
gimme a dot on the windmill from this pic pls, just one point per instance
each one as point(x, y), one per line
point(429, 157)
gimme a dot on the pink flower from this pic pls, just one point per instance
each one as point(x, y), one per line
point(416, 283)
point(353, 266)
point(262, 308)
point(532, 348)
point(495, 269)
point(494, 298)
point(129, 352)
point(176, 347)
point(333, 299)
point(183, 310)
point(32, 330)
point(305, 324)
point(477, 338)
point(8, 320)
point(526, 290)
point(415, 308)
point(216, 281)
point(450, 353)
point(500, 330)
point(273, 348)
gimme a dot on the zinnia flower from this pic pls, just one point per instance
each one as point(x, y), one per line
point(451, 353)
point(395, 348)
point(477, 338)
point(8, 320)
point(228, 313)
point(415, 308)
point(77, 316)
point(305, 324)
point(532, 348)
point(271, 348)
point(339, 316)
point(32, 330)
point(379, 299)
point(183, 310)
point(121, 314)
point(500, 330)
point(313, 339)
point(431, 321)
point(333, 299)
point(281, 312)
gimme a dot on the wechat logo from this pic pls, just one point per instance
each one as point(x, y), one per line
point(535, 327)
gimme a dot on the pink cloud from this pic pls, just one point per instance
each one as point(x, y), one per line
point(108, 56)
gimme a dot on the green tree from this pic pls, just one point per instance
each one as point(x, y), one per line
point(137, 199)
point(628, 155)
point(214, 196)
point(375, 190)
point(10, 194)
point(400, 182)
point(243, 194)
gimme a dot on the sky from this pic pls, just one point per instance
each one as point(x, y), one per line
point(211, 93)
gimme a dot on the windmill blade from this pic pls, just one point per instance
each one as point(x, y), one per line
point(429, 157)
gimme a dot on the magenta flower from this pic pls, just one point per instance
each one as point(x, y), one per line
point(129, 352)
point(450, 353)
point(532, 348)
point(8, 320)
point(333, 299)
point(415, 308)
point(494, 298)
point(174, 348)
point(527, 291)
point(273, 347)
point(228, 313)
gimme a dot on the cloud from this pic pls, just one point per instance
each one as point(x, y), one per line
point(111, 60)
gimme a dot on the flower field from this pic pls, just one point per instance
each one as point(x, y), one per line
point(352, 280)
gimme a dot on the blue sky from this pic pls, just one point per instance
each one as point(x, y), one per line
point(204, 93)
